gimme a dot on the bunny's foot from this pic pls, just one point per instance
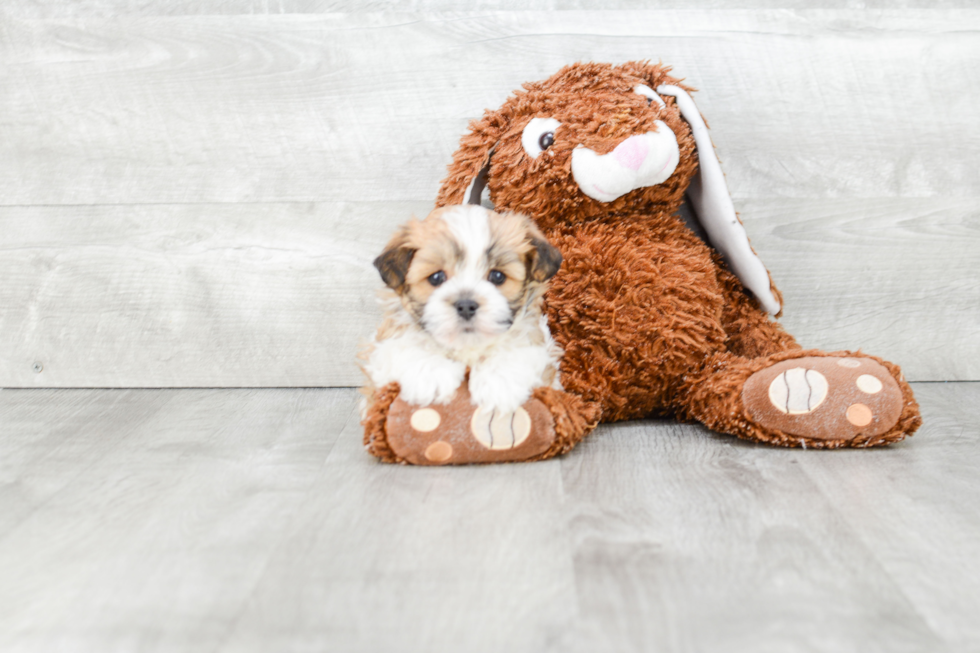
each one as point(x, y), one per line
point(807, 398)
point(550, 423)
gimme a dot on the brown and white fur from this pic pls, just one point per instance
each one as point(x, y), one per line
point(463, 296)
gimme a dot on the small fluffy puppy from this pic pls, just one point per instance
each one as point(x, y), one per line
point(464, 289)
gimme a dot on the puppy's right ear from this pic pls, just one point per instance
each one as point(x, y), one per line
point(394, 262)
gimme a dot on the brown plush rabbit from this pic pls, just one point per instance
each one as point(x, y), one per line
point(652, 319)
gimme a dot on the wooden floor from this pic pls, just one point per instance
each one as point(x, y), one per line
point(252, 520)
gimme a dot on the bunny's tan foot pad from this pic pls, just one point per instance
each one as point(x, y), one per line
point(824, 398)
point(459, 433)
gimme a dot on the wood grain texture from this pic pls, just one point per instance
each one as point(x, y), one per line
point(252, 520)
point(370, 107)
point(903, 519)
point(282, 294)
point(895, 278)
point(387, 557)
point(145, 518)
point(198, 295)
point(652, 566)
point(88, 8)
point(193, 199)
point(699, 542)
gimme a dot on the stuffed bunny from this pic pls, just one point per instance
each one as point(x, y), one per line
point(655, 316)
point(652, 319)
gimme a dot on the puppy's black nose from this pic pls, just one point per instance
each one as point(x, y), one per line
point(466, 308)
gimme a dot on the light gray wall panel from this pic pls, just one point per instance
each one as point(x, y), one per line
point(281, 294)
point(194, 200)
point(897, 278)
point(190, 295)
point(335, 108)
point(59, 8)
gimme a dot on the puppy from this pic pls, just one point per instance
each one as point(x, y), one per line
point(464, 289)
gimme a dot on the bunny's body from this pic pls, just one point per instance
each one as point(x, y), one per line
point(653, 320)
point(607, 310)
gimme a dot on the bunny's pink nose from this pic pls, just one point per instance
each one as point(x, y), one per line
point(631, 153)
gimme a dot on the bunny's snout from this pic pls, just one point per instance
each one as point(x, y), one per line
point(638, 161)
point(632, 152)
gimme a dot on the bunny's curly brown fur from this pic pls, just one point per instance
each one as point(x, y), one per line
point(651, 319)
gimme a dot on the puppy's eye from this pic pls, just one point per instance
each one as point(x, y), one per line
point(539, 135)
point(496, 277)
point(437, 278)
point(649, 94)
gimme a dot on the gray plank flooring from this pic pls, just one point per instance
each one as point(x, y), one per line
point(251, 520)
point(191, 192)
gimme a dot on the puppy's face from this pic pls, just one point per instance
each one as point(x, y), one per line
point(465, 273)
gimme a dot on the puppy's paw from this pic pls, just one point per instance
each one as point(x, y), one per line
point(494, 391)
point(433, 383)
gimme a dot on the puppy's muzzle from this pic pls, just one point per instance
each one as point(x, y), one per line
point(466, 308)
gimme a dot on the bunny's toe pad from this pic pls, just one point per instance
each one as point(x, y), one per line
point(460, 433)
point(825, 398)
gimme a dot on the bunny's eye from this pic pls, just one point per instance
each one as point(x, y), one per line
point(649, 94)
point(539, 135)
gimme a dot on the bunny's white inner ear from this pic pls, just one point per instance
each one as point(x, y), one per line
point(477, 192)
point(712, 202)
point(648, 93)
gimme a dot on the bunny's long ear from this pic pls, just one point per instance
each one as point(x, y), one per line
point(477, 192)
point(712, 202)
point(466, 182)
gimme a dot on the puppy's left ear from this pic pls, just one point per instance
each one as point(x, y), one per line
point(394, 262)
point(545, 259)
